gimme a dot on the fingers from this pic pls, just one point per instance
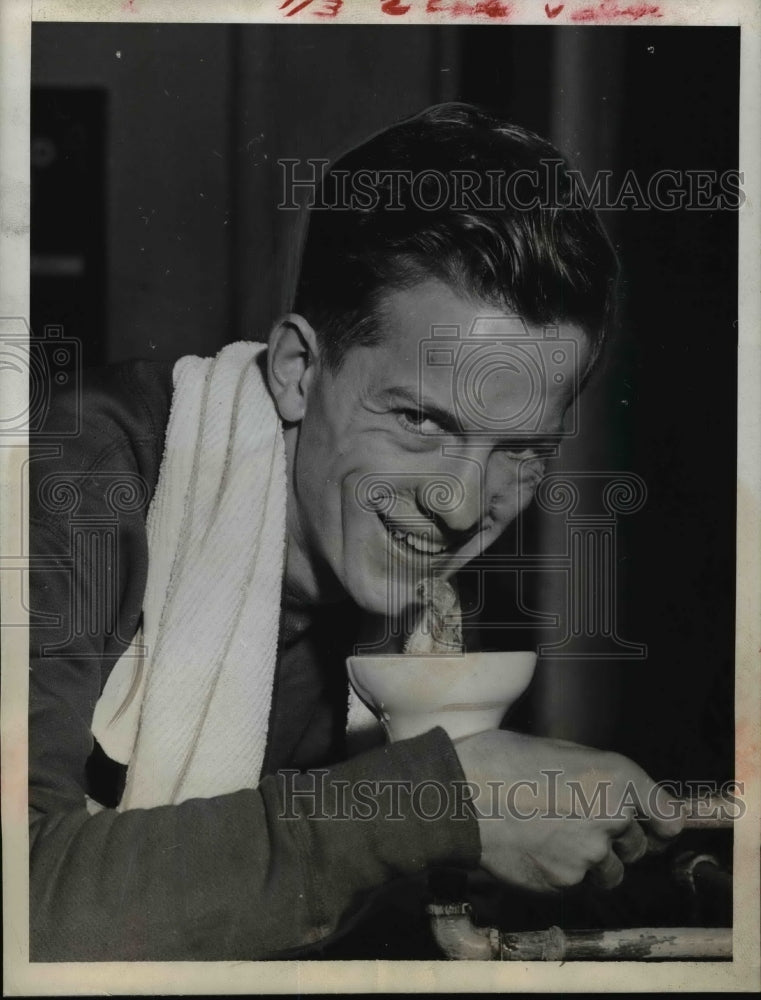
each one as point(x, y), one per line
point(632, 844)
point(624, 848)
point(608, 873)
point(662, 823)
point(665, 815)
point(653, 803)
point(661, 817)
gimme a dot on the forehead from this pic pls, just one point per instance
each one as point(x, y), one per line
point(492, 367)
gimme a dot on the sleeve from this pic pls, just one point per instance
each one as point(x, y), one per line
point(254, 874)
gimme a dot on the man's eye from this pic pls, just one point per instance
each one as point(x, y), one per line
point(418, 422)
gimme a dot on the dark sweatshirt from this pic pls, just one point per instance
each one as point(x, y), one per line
point(239, 876)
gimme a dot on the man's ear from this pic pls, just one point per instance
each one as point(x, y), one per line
point(291, 363)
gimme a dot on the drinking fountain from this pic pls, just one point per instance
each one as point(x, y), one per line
point(464, 693)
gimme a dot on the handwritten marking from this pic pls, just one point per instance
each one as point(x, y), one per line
point(325, 8)
point(469, 8)
point(392, 7)
point(553, 11)
point(610, 9)
point(295, 10)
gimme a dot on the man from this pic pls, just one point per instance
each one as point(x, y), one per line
point(205, 852)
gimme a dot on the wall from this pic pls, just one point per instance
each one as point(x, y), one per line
point(197, 252)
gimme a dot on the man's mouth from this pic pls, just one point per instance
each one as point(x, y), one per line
point(414, 541)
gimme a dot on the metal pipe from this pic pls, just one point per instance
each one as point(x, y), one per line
point(460, 939)
point(636, 944)
point(457, 935)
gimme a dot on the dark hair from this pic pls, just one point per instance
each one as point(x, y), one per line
point(547, 262)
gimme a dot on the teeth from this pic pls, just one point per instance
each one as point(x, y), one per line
point(417, 542)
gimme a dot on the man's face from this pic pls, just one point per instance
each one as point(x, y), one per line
point(421, 450)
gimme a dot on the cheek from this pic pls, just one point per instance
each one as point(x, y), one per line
point(313, 487)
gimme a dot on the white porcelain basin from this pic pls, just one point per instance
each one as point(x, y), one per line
point(464, 694)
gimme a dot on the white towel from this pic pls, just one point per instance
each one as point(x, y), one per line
point(196, 724)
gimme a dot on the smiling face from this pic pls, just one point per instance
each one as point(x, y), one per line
point(419, 452)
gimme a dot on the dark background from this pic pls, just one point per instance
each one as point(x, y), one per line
point(155, 233)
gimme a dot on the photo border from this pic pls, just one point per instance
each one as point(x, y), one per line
point(23, 978)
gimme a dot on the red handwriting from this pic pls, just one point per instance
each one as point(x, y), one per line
point(609, 9)
point(603, 10)
point(321, 8)
point(470, 8)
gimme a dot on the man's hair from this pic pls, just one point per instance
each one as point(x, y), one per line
point(549, 262)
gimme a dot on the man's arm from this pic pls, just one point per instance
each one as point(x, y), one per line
point(247, 875)
point(240, 876)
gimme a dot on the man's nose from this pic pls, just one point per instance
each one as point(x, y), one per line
point(488, 491)
point(457, 499)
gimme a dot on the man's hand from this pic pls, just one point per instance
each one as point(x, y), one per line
point(550, 811)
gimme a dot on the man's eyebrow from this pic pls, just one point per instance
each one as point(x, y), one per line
point(423, 404)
